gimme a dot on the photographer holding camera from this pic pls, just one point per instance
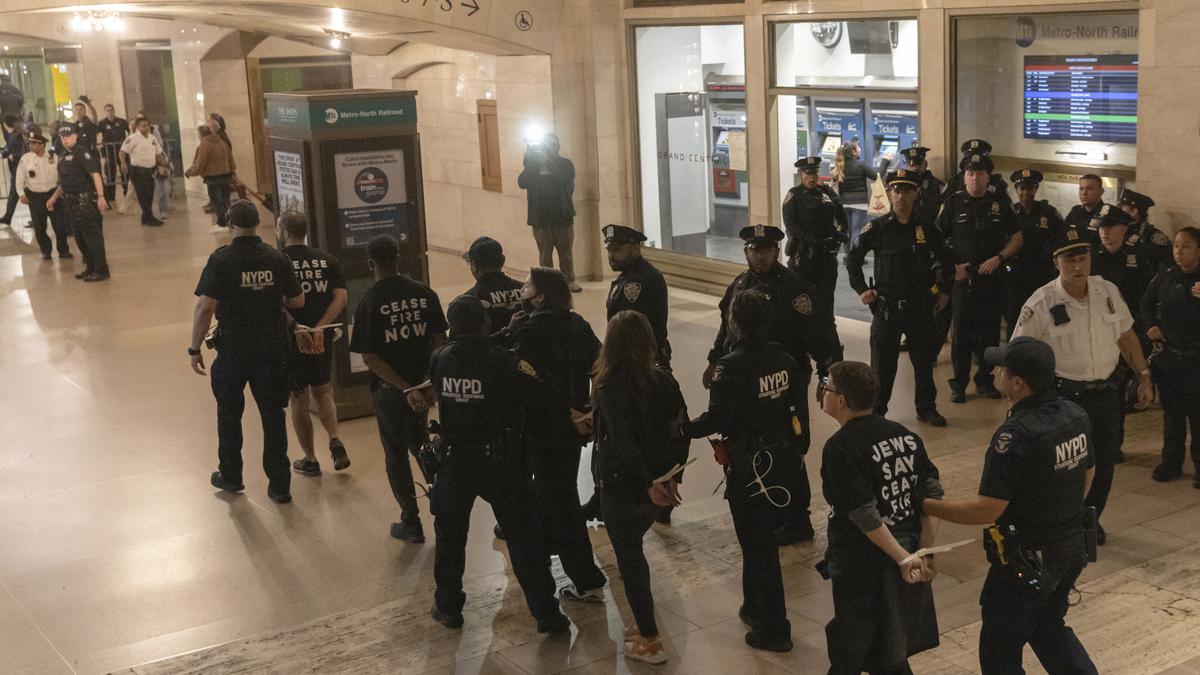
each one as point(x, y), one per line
point(549, 180)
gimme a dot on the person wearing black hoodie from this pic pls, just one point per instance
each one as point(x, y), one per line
point(562, 347)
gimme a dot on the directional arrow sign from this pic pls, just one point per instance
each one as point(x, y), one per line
point(472, 5)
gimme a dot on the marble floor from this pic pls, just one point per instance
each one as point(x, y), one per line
point(118, 556)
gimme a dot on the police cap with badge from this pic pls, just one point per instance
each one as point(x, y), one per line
point(902, 178)
point(1026, 176)
point(761, 236)
point(1069, 242)
point(485, 251)
point(808, 164)
point(977, 162)
point(37, 138)
point(1110, 216)
point(914, 154)
point(976, 146)
point(615, 235)
point(1137, 200)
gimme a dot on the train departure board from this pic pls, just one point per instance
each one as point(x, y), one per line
point(1082, 98)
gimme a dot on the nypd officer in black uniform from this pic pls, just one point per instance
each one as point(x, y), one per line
point(1033, 266)
point(397, 325)
point(1121, 263)
point(754, 403)
point(485, 396)
point(816, 229)
point(1038, 467)
point(1171, 310)
point(113, 131)
point(912, 266)
point(1085, 216)
point(81, 193)
point(799, 326)
point(247, 284)
point(639, 285)
point(980, 147)
point(930, 188)
point(983, 234)
point(1150, 241)
point(499, 293)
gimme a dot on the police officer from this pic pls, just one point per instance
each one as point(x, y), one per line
point(82, 194)
point(976, 146)
point(1033, 266)
point(873, 474)
point(1122, 264)
point(499, 293)
point(816, 228)
point(86, 124)
point(113, 131)
point(1089, 327)
point(310, 358)
point(930, 189)
point(983, 234)
point(1035, 474)
point(1085, 216)
point(1146, 238)
point(1171, 310)
point(397, 325)
point(639, 285)
point(485, 394)
point(36, 180)
point(755, 403)
point(797, 324)
point(246, 284)
point(912, 264)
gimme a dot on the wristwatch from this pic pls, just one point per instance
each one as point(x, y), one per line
point(193, 351)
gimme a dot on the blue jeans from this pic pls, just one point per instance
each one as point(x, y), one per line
point(857, 214)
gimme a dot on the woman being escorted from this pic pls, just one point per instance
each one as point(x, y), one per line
point(874, 473)
point(639, 410)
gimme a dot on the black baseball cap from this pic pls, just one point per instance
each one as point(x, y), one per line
point(467, 315)
point(485, 250)
point(66, 129)
point(1028, 358)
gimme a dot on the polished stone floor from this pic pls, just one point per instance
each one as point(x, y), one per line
point(118, 555)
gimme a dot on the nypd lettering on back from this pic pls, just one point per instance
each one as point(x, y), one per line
point(506, 299)
point(1069, 454)
point(311, 275)
point(462, 389)
point(257, 280)
point(774, 385)
point(406, 319)
point(897, 462)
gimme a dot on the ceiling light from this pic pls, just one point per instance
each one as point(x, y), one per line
point(336, 37)
point(97, 21)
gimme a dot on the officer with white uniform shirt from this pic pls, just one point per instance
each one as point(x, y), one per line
point(140, 153)
point(37, 177)
point(1089, 327)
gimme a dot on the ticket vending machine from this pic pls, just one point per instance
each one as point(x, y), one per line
point(893, 128)
point(351, 160)
point(835, 123)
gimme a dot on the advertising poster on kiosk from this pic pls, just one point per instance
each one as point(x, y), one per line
point(371, 196)
point(289, 181)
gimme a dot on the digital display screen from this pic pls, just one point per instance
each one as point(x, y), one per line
point(832, 143)
point(1081, 98)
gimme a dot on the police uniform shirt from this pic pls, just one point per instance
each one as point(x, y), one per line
point(249, 281)
point(75, 169)
point(1170, 305)
point(1152, 244)
point(319, 275)
point(1083, 334)
point(816, 217)
point(930, 194)
point(87, 132)
point(397, 320)
point(1086, 221)
point(143, 151)
point(977, 227)
point(872, 461)
point(1037, 461)
point(37, 173)
point(796, 322)
point(1127, 269)
point(114, 131)
point(641, 288)
point(906, 257)
point(500, 295)
point(1039, 226)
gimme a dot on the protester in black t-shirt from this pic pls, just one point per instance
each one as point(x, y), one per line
point(1038, 468)
point(873, 473)
point(246, 285)
point(397, 325)
point(310, 360)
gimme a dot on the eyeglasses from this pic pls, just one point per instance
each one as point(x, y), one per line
point(823, 387)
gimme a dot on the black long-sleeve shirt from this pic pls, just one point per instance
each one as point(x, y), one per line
point(911, 259)
point(1170, 306)
point(634, 440)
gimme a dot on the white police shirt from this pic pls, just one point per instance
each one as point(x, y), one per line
point(1084, 333)
point(143, 151)
point(37, 173)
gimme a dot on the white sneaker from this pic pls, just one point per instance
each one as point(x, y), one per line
point(217, 229)
point(590, 595)
point(647, 650)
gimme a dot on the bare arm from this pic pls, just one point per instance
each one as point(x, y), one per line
point(340, 297)
point(201, 320)
point(977, 510)
point(294, 302)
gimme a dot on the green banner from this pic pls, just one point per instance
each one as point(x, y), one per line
point(289, 114)
point(362, 112)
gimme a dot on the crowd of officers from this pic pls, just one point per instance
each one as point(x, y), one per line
point(522, 383)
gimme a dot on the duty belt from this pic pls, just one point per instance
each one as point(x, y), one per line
point(1073, 387)
point(80, 196)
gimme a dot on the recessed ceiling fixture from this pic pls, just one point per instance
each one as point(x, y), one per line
point(336, 37)
point(97, 21)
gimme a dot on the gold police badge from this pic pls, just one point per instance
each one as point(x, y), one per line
point(527, 368)
point(632, 291)
point(1026, 315)
point(920, 232)
point(803, 304)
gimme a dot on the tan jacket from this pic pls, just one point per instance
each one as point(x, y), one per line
point(213, 158)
